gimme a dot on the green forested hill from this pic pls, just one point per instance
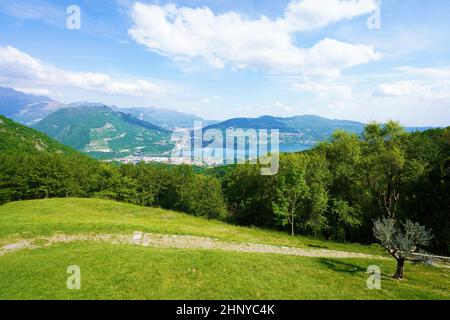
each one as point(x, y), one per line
point(296, 133)
point(15, 137)
point(104, 133)
point(314, 125)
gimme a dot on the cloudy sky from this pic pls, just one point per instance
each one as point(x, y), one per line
point(348, 59)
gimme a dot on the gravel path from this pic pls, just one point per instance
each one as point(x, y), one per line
point(179, 242)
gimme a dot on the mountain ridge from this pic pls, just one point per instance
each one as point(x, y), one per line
point(166, 118)
point(25, 108)
point(29, 109)
point(105, 133)
point(298, 133)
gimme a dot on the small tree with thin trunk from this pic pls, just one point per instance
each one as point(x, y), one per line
point(291, 190)
point(401, 243)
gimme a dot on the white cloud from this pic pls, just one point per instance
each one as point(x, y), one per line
point(229, 39)
point(421, 89)
point(313, 14)
point(398, 88)
point(37, 91)
point(429, 83)
point(278, 106)
point(324, 89)
point(208, 100)
point(33, 9)
point(436, 73)
point(15, 64)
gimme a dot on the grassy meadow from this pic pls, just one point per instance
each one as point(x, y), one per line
point(113, 271)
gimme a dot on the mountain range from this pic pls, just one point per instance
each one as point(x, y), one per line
point(29, 109)
point(108, 132)
point(165, 118)
point(25, 108)
point(296, 133)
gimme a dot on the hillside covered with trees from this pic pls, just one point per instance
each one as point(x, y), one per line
point(334, 191)
point(15, 137)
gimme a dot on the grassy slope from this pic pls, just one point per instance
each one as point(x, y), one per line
point(44, 217)
point(121, 271)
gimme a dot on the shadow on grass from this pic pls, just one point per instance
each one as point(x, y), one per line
point(340, 266)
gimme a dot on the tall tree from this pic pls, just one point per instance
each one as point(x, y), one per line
point(384, 162)
point(249, 196)
point(317, 179)
point(291, 191)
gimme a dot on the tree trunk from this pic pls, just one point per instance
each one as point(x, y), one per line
point(292, 227)
point(400, 266)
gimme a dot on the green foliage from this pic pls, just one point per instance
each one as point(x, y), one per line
point(292, 190)
point(401, 243)
point(14, 136)
point(34, 166)
point(343, 217)
point(334, 191)
point(317, 204)
point(36, 176)
point(248, 196)
point(205, 198)
point(339, 188)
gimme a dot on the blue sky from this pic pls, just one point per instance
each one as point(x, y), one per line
point(221, 59)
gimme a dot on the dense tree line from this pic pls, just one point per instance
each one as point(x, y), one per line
point(335, 191)
point(26, 176)
point(338, 189)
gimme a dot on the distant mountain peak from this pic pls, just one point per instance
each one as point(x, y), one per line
point(79, 104)
point(25, 108)
point(14, 92)
point(163, 117)
point(105, 133)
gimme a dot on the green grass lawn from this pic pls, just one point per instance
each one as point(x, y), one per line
point(45, 217)
point(132, 272)
point(128, 272)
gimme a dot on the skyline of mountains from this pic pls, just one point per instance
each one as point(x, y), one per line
point(29, 109)
point(109, 132)
point(166, 118)
point(25, 108)
point(297, 133)
point(21, 106)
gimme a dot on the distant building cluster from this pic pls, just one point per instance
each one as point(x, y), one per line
point(205, 162)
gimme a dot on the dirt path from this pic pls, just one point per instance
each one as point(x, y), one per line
point(178, 242)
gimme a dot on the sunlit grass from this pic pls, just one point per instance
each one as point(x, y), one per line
point(112, 271)
point(128, 272)
point(45, 217)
